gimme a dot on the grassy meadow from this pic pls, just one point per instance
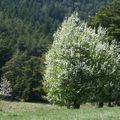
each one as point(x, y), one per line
point(36, 111)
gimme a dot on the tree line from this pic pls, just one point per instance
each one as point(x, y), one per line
point(26, 35)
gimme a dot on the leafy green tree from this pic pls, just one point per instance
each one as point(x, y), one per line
point(80, 63)
point(108, 17)
point(64, 73)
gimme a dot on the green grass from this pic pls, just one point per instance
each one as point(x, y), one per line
point(32, 111)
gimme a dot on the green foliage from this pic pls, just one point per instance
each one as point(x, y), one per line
point(25, 76)
point(109, 17)
point(27, 26)
point(13, 70)
point(80, 62)
point(32, 77)
point(30, 43)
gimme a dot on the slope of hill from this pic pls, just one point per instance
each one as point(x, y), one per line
point(46, 14)
point(26, 28)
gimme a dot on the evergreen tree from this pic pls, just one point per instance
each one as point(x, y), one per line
point(108, 17)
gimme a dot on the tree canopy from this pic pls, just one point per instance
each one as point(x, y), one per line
point(81, 65)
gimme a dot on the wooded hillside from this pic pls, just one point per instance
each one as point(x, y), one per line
point(26, 29)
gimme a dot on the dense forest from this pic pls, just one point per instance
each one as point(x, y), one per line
point(26, 30)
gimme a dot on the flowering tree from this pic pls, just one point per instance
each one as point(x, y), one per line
point(105, 70)
point(77, 57)
point(5, 87)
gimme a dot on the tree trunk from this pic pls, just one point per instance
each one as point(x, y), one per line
point(76, 105)
point(101, 98)
point(68, 106)
point(110, 100)
point(110, 97)
point(109, 104)
point(100, 104)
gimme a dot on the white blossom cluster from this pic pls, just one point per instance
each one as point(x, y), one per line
point(5, 87)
